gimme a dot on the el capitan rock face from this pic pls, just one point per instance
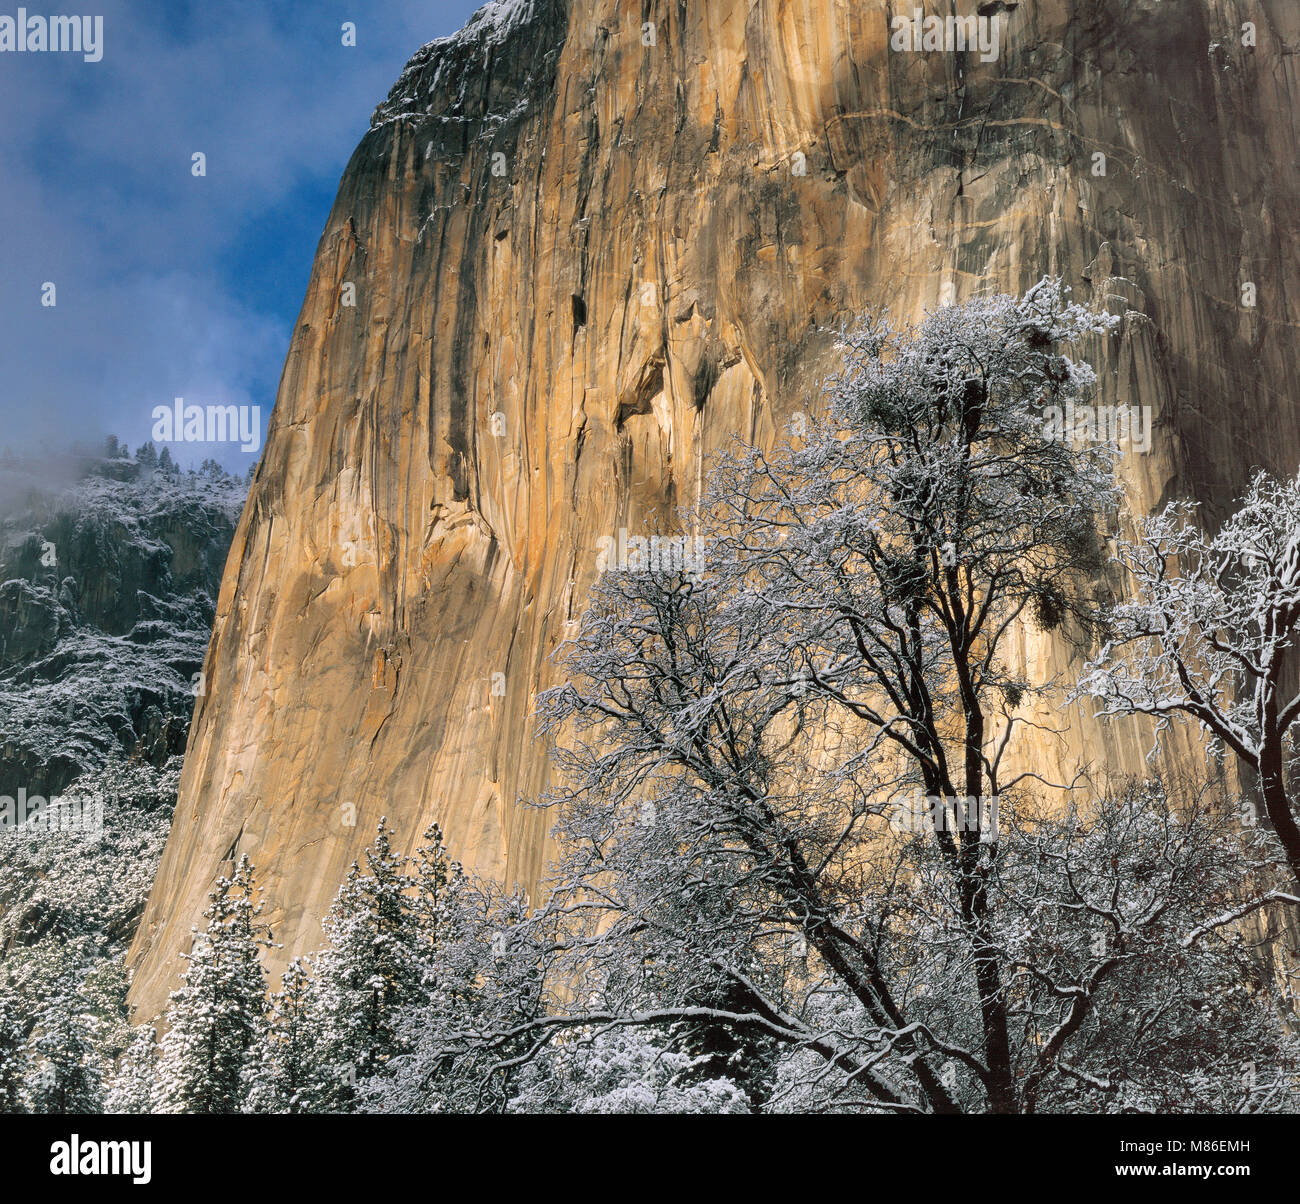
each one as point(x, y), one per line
point(582, 262)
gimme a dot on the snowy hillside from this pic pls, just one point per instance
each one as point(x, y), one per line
point(107, 593)
point(109, 567)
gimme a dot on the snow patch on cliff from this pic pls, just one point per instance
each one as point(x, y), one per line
point(445, 66)
point(492, 23)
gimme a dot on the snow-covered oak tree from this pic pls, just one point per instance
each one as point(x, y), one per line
point(869, 575)
point(734, 742)
point(1111, 926)
point(1209, 631)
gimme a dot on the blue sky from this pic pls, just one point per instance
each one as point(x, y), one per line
point(170, 285)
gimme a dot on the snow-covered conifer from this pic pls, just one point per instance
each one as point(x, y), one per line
point(374, 965)
point(282, 1076)
point(215, 1017)
point(131, 1088)
point(64, 1073)
point(13, 1051)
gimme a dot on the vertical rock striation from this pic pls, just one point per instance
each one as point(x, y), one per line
point(586, 252)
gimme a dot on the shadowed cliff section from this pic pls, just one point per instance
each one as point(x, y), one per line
point(583, 262)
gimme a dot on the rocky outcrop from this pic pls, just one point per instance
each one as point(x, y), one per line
point(106, 588)
point(590, 242)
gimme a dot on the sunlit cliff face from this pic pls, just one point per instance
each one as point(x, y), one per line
point(579, 250)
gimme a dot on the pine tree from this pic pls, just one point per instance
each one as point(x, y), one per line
point(439, 887)
point(65, 1076)
point(283, 1076)
point(717, 1051)
point(374, 966)
point(13, 1054)
point(450, 926)
point(217, 1015)
point(132, 1087)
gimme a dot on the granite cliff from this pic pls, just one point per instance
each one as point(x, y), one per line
point(584, 243)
